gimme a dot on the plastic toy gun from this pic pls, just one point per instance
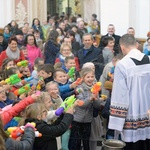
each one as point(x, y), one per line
point(96, 88)
point(111, 71)
point(23, 63)
point(13, 79)
point(23, 89)
point(15, 132)
point(38, 87)
point(25, 80)
point(68, 102)
point(78, 81)
point(71, 73)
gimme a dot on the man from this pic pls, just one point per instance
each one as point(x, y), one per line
point(81, 28)
point(111, 32)
point(130, 96)
point(89, 53)
point(131, 31)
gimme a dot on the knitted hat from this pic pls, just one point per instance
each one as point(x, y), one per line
point(108, 85)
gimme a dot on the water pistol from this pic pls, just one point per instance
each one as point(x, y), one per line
point(111, 71)
point(13, 79)
point(68, 102)
point(15, 132)
point(38, 87)
point(78, 81)
point(24, 89)
point(96, 88)
point(71, 73)
point(23, 63)
point(25, 80)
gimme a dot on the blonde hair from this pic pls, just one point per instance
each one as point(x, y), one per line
point(88, 64)
point(42, 97)
point(65, 45)
point(50, 83)
point(33, 110)
point(85, 71)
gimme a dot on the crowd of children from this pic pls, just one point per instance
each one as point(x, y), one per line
point(50, 88)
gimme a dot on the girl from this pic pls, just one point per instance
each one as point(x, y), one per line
point(37, 113)
point(83, 116)
point(33, 50)
point(26, 141)
point(7, 63)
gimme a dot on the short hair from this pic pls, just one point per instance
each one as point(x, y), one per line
point(48, 68)
point(65, 45)
point(23, 48)
point(118, 57)
point(37, 60)
point(49, 84)
point(69, 58)
point(128, 40)
point(87, 34)
point(57, 65)
point(13, 38)
point(1, 35)
point(130, 28)
point(106, 39)
point(74, 26)
point(71, 33)
point(148, 34)
point(94, 15)
point(58, 70)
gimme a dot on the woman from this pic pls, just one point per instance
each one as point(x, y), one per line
point(7, 33)
point(12, 52)
point(65, 51)
point(51, 47)
point(13, 27)
point(36, 26)
point(74, 43)
point(32, 48)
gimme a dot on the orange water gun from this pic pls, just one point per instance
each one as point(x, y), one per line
point(96, 88)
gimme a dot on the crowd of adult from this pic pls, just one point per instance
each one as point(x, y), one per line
point(56, 45)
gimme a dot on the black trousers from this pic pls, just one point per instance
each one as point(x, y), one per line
point(139, 145)
point(79, 132)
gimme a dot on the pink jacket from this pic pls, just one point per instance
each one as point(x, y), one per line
point(8, 114)
point(33, 53)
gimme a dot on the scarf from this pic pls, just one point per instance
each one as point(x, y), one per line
point(13, 55)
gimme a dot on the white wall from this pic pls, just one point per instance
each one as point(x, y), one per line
point(6, 12)
point(115, 12)
point(140, 17)
point(124, 14)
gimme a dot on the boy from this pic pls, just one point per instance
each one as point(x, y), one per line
point(65, 88)
point(39, 61)
point(69, 62)
point(46, 73)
